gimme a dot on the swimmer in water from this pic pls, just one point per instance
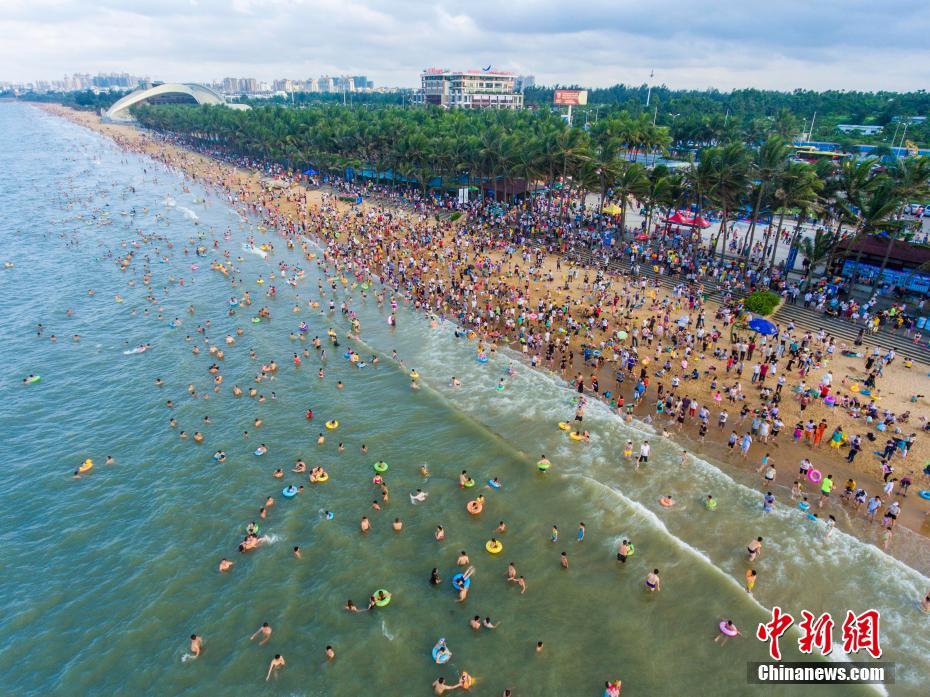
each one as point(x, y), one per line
point(462, 584)
point(726, 630)
point(225, 565)
point(276, 664)
point(264, 631)
point(653, 582)
point(196, 645)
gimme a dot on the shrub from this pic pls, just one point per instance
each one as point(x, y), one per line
point(455, 216)
point(762, 302)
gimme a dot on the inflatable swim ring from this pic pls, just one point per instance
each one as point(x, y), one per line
point(543, 465)
point(321, 479)
point(469, 483)
point(564, 425)
point(924, 494)
point(258, 452)
point(86, 466)
point(666, 501)
point(441, 652)
point(459, 577)
point(815, 476)
point(474, 507)
point(482, 358)
point(256, 320)
point(380, 466)
point(728, 630)
point(493, 484)
point(385, 601)
point(804, 505)
point(467, 681)
point(494, 546)
point(414, 375)
point(575, 436)
point(332, 425)
point(33, 380)
point(499, 388)
point(289, 491)
point(632, 550)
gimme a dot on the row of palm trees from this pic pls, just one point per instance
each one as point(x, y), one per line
point(513, 151)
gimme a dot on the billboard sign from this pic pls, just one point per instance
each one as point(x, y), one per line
point(570, 97)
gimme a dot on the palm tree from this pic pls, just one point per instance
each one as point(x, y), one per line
point(663, 189)
point(631, 180)
point(797, 188)
point(699, 180)
point(730, 182)
point(816, 250)
point(769, 161)
point(911, 181)
point(846, 192)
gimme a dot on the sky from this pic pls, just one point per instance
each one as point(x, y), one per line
point(775, 44)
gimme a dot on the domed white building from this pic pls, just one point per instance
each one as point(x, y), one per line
point(166, 93)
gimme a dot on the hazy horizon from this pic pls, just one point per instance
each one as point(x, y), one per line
point(690, 45)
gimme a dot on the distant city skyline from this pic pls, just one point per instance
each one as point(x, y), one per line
point(690, 44)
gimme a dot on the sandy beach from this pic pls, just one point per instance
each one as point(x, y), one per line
point(897, 388)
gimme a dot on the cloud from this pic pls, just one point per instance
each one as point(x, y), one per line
point(843, 44)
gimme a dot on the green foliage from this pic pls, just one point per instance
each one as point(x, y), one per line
point(762, 302)
point(699, 117)
point(418, 145)
point(85, 100)
point(455, 216)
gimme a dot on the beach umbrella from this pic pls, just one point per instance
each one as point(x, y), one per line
point(762, 326)
point(622, 335)
point(612, 209)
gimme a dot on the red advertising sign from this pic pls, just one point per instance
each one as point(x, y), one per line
point(570, 97)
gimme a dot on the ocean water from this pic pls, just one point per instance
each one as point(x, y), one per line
point(105, 577)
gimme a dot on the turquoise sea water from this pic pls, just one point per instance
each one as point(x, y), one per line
point(105, 577)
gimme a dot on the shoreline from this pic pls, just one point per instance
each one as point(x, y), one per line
point(714, 452)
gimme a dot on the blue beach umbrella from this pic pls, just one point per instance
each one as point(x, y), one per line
point(763, 326)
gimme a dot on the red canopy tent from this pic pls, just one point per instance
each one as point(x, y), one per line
point(680, 218)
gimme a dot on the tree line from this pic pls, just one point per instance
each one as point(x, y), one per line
point(701, 116)
point(616, 158)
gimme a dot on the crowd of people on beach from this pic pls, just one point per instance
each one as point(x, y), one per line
point(535, 276)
